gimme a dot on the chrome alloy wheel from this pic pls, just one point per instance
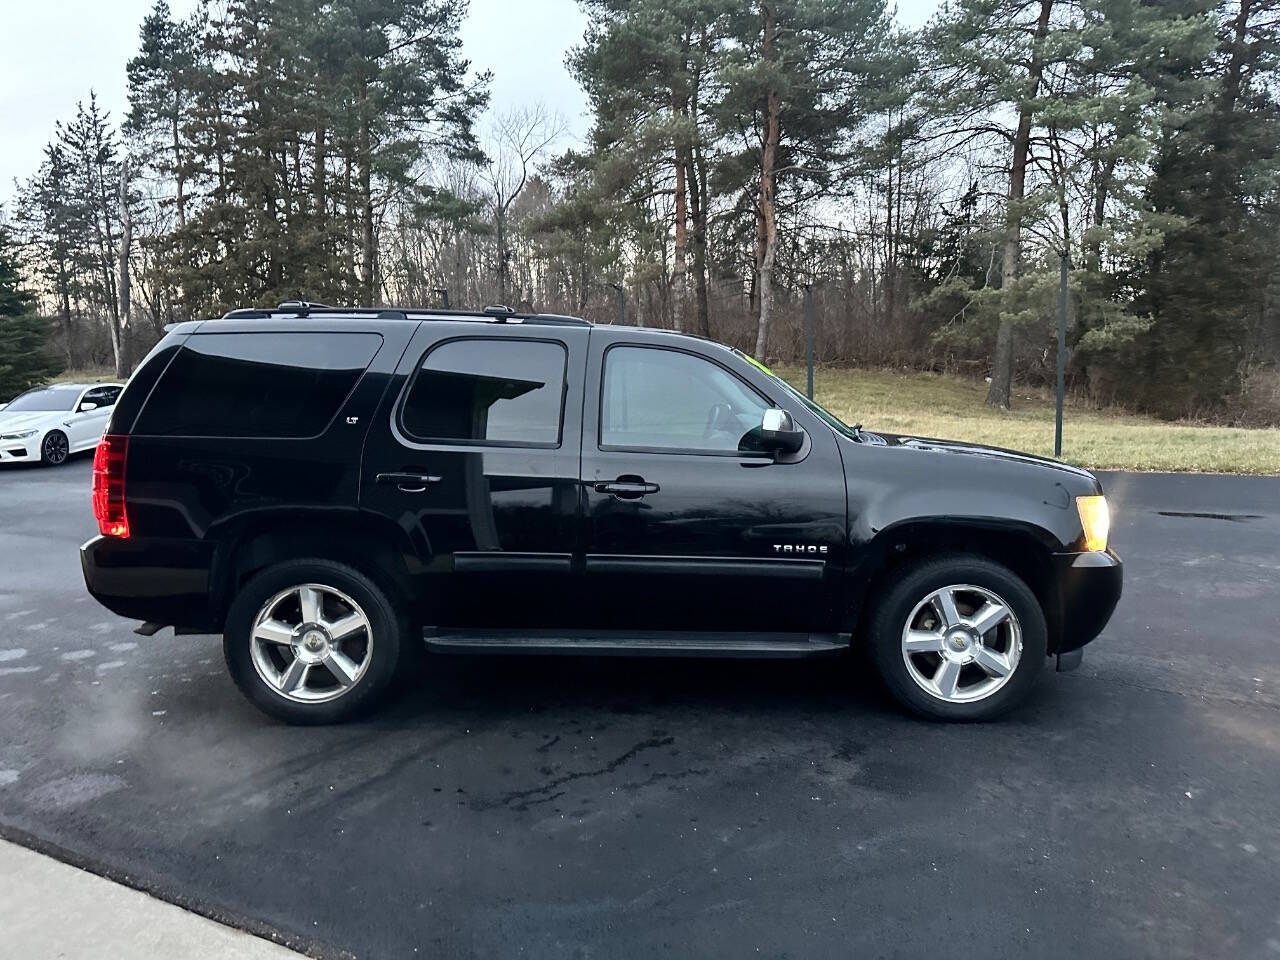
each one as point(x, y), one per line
point(311, 643)
point(961, 643)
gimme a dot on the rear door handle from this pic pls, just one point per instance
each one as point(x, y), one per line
point(627, 489)
point(409, 482)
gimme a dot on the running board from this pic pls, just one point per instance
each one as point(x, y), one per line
point(634, 643)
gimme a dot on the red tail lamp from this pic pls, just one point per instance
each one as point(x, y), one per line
point(108, 486)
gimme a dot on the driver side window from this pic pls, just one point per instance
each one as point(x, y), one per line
point(659, 399)
point(101, 396)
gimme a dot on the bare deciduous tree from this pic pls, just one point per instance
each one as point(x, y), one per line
point(516, 142)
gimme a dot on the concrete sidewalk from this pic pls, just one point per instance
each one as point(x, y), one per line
point(51, 910)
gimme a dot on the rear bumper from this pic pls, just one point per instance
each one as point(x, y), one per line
point(1089, 586)
point(162, 581)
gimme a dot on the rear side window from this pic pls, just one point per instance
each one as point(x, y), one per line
point(257, 384)
point(488, 391)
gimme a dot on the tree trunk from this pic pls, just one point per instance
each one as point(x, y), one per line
point(180, 200)
point(500, 229)
point(349, 211)
point(1102, 192)
point(64, 296)
point(679, 267)
point(1002, 362)
point(100, 208)
point(1240, 54)
point(697, 181)
point(369, 254)
point(768, 184)
point(318, 179)
point(118, 345)
point(698, 211)
point(890, 252)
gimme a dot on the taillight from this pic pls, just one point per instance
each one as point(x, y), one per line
point(108, 486)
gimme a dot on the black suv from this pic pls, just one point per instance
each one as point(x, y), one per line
point(333, 489)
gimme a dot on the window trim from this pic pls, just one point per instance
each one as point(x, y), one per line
point(435, 443)
point(190, 341)
point(679, 451)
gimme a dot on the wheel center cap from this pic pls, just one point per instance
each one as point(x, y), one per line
point(312, 645)
point(959, 645)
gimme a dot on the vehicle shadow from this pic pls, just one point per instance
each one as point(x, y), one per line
point(33, 466)
point(460, 686)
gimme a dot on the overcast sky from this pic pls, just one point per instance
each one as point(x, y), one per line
point(58, 50)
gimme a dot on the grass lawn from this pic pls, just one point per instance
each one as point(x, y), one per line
point(953, 408)
point(87, 375)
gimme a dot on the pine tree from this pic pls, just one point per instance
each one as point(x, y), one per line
point(646, 66)
point(24, 360)
point(798, 85)
point(1215, 176)
point(990, 57)
point(90, 147)
point(160, 78)
point(48, 221)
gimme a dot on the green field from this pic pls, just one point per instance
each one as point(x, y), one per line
point(933, 405)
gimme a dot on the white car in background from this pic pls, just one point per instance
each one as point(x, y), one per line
point(48, 424)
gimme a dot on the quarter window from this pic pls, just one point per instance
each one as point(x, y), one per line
point(488, 391)
point(661, 399)
point(257, 384)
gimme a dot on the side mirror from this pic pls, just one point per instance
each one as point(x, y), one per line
point(779, 433)
point(87, 406)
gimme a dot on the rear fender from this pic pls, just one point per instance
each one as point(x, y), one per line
point(367, 541)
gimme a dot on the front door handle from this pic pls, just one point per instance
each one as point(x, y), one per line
point(627, 487)
point(409, 482)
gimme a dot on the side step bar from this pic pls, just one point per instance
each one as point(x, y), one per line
point(633, 643)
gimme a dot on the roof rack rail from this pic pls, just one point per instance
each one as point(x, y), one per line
point(302, 307)
point(495, 313)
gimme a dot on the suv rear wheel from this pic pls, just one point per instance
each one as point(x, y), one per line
point(312, 641)
point(959, 638)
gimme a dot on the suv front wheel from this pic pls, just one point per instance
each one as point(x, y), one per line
point(312, 641)
point(959, 638)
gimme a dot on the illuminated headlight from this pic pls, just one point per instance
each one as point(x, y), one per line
point(1095, 517)
point(23, 435)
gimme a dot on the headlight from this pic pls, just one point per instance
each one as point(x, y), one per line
point(19, 436)
point(1095, 517)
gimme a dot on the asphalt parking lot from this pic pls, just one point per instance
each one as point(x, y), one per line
point(558, 808)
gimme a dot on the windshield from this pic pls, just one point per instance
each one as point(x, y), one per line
point(49, 398)
point(827, 417)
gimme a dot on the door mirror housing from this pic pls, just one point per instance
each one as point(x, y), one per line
point(87, 406)
point(779, 433)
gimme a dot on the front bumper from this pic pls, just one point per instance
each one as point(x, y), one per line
point(1088, 587)
point(20, 451)
point(161, 581)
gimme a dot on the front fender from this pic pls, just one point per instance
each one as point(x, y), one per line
point(889, 487)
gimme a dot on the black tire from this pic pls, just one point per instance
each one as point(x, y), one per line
point(914, 584)
point(387, 626)
point(54, 448)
